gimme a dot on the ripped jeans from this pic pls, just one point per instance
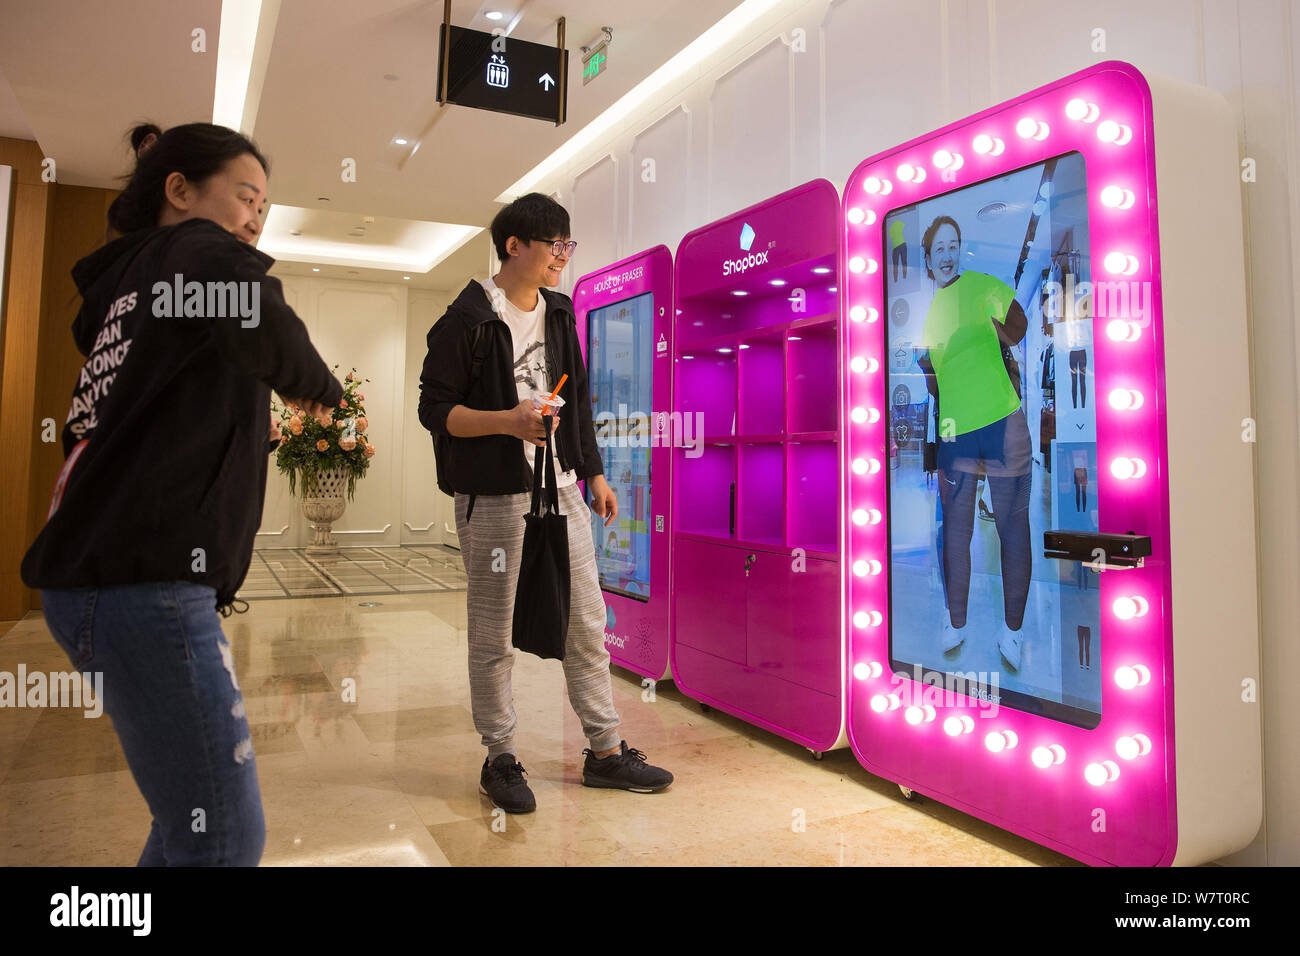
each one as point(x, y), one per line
point(171, 691)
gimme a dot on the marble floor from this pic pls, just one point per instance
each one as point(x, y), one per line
point(392, 779)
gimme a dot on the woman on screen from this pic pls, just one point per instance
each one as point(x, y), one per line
point(972, 318)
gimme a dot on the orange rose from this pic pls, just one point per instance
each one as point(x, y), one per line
point(284, 439)
point(360, 397)
point(322, 445)
point(362, 425)
point(295, 427)
point(370, 451)
point(343, 403)
point(347, 444)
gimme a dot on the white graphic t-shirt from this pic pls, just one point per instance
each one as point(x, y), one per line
point(528, 331)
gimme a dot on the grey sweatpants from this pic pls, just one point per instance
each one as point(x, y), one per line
point(498, 522)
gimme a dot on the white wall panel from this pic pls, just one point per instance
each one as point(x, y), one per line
point(655, 207)
point(1034, 42)
point(748, 146)
point(364, 324)
point(427, 514)
point(594, 210)
point(883, 75)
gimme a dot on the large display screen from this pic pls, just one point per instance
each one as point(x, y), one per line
point(993, 440)
point(620, 350)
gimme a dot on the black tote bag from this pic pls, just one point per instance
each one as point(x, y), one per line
point(541, 617)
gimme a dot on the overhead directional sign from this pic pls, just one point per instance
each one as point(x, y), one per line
point(491, 72)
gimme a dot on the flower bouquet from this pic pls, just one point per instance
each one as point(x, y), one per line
point(308, 449)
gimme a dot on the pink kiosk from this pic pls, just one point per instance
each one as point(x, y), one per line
point(625, 327)
point(757, 624)
point(1049, 513)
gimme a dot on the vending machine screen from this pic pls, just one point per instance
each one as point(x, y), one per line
point(620, 351)
point(993, 440)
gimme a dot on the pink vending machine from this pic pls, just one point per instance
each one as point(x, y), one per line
point(625, 327)
point(1049, 517)
point(757, 625)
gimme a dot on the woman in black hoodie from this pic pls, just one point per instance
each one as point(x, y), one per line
point(151, 524)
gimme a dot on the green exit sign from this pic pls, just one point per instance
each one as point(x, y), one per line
point(594, 65)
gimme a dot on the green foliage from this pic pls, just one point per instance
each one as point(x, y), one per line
point(299, 456)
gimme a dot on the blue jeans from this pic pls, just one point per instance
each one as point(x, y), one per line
point(171, 691)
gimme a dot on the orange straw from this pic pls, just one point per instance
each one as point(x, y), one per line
point(563, 379)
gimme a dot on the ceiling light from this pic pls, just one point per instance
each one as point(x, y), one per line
point(401, 142)
point(494, 15)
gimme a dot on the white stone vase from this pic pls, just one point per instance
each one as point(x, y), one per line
point(323, 506)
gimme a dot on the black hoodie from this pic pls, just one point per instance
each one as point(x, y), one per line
point(470, 362)
point(166, 441)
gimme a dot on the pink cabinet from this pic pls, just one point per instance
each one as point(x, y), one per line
point(792, 620)
point(709, 598)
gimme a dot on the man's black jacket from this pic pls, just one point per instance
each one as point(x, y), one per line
point(470, 362)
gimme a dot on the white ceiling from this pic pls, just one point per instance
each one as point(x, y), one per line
point(83, 71)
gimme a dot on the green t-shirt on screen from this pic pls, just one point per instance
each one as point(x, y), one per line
point(974, 389)
point(896, 237)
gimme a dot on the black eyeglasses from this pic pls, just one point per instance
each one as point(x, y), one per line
point(559, 247)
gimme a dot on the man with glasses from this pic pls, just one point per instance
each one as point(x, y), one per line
point(494, 357)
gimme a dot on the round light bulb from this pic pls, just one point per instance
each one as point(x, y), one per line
point(998, 146)
point(952, 727)
point(886, 187)
point(1026, 127)
point(880, 703)
point(1112, 196)
point(1076, 109)
point(1142, 605)
point(1144, 744)
point(861, 568)
point(1117, 330)
point(858, 364)
point(1123, 468)
point(874, 566)
point(856, 215)
point(1126, 677)
point(1120, 399)
point(861, 671)
point(1143, 673)
point(942, 159)
point(1096, 774)
point(859, 414)
point(1042, 758)
point(1108, 131)
point(860, 466)
point(1115, 262)
point(870, 218)
point(1011, 737)
point(914, 715)
point(995, 742)
point(861, 619)
point(857, 313)
point(871, 184)
point(874, 516)
point(983, 143)
point(1125, 608)
point(857, 264)
point(1127, 748)
point(958, 161)
point(860, 516)
point(905, 172)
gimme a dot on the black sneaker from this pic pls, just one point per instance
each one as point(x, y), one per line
point(625, 770)
point(503, 781)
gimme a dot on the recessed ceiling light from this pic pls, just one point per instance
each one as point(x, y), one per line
point(406, 277)
point(401, 142)
point(494, 15)
point(296, 232)
point(322, 198)
point(315, 268)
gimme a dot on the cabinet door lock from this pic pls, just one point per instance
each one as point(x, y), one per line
point(749, 561)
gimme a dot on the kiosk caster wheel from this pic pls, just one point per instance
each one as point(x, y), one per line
point(910, 795)
point(817, 754)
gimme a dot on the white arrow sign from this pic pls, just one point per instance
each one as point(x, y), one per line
point(546, 81)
